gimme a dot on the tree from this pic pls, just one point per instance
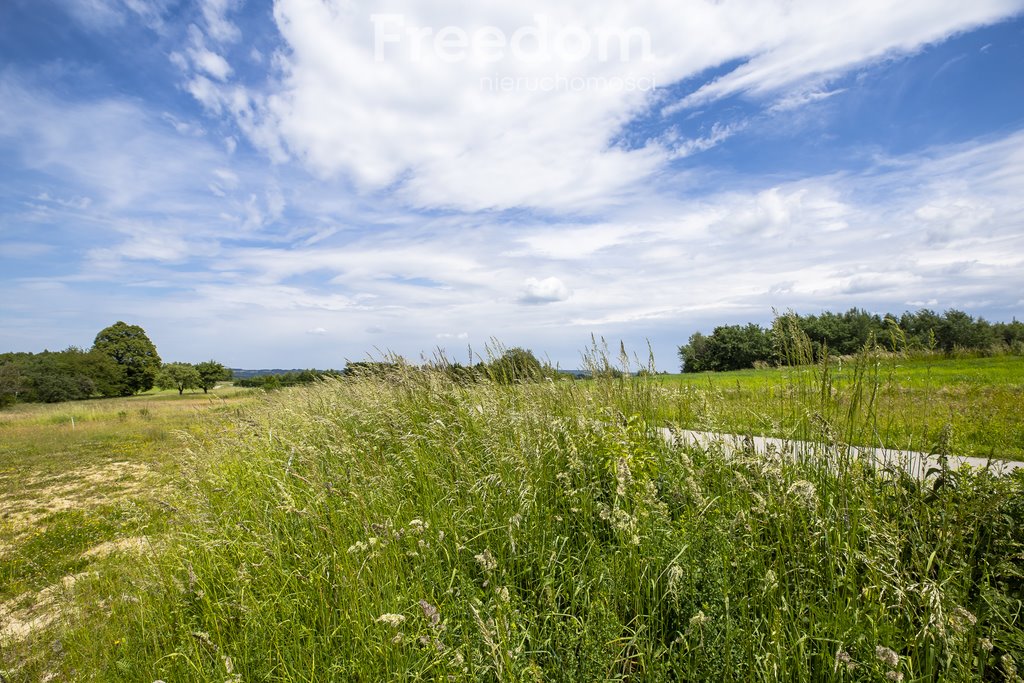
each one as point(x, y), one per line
point(730, 347)
point(180, 376)
point(211, 372)
point(694, 356)
point(514, 366)
point(133, 352)
point(12, 382)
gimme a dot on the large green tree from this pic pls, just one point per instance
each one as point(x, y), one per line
point(136, 356)
point(180, 376)
point(211, 372)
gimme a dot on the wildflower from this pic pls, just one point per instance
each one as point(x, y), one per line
point(699, 619)
point(357, 547)
point(431, 613)
point(203, 637)
point(393, 620)
point(1009, 667)
point(417, 526)
point(503, 594)
point(675, 576)
point(805, 492)
point(843, 658)
point(624, 477)
point(887, 656)
point(985, 644)
point(771, 582)
point(963, 620)
point(486, 561)
point(895, 676)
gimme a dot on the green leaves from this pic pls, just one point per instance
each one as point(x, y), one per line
point(133, 352)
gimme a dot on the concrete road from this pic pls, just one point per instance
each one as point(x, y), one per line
point(916, 464)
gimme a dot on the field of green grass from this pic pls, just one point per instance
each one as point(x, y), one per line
point(81, 485)
point(412, 528)
point(969, 406)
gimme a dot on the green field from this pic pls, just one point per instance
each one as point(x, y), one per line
point(413, 528)
point(972, 406)
point(81, 484)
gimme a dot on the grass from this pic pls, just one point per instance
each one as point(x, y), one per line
point(969, 406)
point(416, 529)
point(81, 484)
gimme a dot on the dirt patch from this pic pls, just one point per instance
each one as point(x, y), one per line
point(22, 616)
point(133, 544)
point(42, 496)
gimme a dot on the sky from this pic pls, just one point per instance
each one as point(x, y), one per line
point(300, 183)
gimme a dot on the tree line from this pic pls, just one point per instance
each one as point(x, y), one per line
point(737, 347)
point(122, 361)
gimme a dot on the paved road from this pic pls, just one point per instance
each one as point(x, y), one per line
point(917, 464)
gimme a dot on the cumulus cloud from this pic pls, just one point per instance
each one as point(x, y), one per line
point(546, 291)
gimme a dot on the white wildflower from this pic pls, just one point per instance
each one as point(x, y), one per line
point(431, 613)
point(887, 656)
point(623, 476)
point(486, 561)
point(393, 620)
point(844, 659)
point(963, 620)
point(675, 576)
point(805, 492)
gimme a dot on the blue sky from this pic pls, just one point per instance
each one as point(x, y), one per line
point(301, 182)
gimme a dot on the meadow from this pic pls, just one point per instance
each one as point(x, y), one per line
point(964, 406)
point(411, 527)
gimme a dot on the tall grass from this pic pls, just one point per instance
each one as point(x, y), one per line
point(413, 528)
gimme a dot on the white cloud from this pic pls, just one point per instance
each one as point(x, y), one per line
point(218, 26)
point(212, 63)
point(818, 41)
point(105, 15)
point(427, 129)
point(546, 291)
point(317, 331)
point(801, 98)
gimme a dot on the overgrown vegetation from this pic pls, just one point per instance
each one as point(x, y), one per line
point(415, 527)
